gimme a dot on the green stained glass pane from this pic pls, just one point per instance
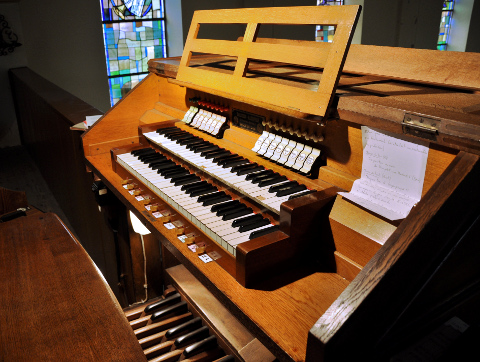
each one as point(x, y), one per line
point(445, 23)
point(325, 33)
point(132, 36)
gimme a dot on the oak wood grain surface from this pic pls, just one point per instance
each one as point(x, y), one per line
point(54, 303)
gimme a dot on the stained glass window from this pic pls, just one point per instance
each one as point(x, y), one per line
point(134, 32)
point(325, 32)
point(445, 23)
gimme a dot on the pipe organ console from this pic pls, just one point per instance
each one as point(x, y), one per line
point(234, 157)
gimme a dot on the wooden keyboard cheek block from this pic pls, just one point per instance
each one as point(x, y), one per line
point(257, 259)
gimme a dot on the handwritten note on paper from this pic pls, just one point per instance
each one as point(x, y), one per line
point(392, 177)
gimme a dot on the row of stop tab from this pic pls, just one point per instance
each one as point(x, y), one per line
point(287, 152)
point(204, 120)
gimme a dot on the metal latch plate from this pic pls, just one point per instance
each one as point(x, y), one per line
point(420, 126)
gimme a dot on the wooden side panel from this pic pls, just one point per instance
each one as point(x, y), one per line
point(11, 200)
point(406, 262)
point(455, 69)
point(357, 233)
point(121, 121)
point(54, 297)
point(45, 114)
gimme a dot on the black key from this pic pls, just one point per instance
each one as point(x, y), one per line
point(247, 220)
point(145, 154)
point(235, 214)
point(186, 188)
point(217, 154)
point(262, 232)
point(157, 159)
point(166, 130)
point(219, 159)
point(150, 157)
point(214, 151)
point(253, 225)
point(235, 163)
point(272, 181)
point(141, 151)
point(216, 208)
point(164, 166)
point(196, 348)
point(201, 186)
point(183, 328)
point(260, 174)
point(170, 169)
point(175, 173)
point(250, 170)
point(158, 163)
point(192, 141)
point(203, 191)
point(179, 137)
point(242, 167)
point(199, 145)
point(285, 185)
point(259, 179)
point(291, 190)
point(222, 160)
point(302, 194)
point(178, 308)
point(211, 196)
point(173, 299)
point(173, 135)
point(207, 148)
point(184, 180)
point(216, 200)
point(195, 144)
point(230, 209)
point(189, 137)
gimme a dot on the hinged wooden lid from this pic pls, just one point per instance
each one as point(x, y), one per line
point(313, 99)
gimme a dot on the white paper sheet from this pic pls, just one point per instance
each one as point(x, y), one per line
point(393, 172)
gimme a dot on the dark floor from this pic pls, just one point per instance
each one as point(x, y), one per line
point(19, 172)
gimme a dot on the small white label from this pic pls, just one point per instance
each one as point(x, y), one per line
point(139, 198)
point(148, 207)
point(182, 238)
point(157, 214)
point(169, 226)
point(193, 247)
point(205, 258)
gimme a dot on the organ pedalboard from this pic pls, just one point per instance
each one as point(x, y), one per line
point(219, 203)
point(187, 323)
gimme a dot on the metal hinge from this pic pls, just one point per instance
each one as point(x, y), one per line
point(420, 126)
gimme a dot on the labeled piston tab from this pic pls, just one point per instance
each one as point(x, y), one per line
point(179, 227)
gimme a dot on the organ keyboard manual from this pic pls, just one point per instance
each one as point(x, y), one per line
point(240, 158)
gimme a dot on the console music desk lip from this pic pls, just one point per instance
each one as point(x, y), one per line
point(280, 317)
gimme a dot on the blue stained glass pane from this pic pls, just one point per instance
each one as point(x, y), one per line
point(325, 33)
point(445, 22)
point(131, 38)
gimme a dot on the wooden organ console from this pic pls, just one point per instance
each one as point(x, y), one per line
point(195, 152)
